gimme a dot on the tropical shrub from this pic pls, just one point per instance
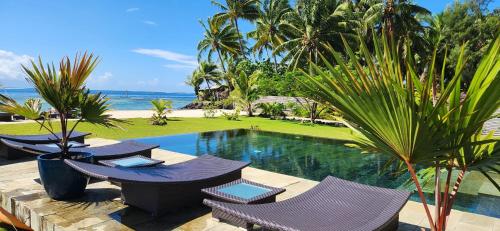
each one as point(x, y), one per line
point(161, 108)
point(63, 89)
point(272, 110)
point(310, 109)
point(211, 109)
point(393, 112)
point(232, 115)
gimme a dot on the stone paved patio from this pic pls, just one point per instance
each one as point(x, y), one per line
point(101, 208)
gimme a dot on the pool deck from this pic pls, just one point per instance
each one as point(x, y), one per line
point(101, 207)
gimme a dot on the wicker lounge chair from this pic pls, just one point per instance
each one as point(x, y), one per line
point(334, 204)
point(166, 188)
point(12, 150)
point(44, 139)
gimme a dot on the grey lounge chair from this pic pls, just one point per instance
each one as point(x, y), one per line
point(166, 188)
point(12, 149)
point(334, 204)
point(45, 139)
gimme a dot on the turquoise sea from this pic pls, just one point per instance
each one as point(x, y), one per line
point(120, 100)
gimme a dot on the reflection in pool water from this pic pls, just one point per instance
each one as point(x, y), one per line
point(307, 157)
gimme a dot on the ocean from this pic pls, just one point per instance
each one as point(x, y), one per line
point(119, 100)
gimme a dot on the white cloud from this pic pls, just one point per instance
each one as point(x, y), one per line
point(151, 23)
point(10, 64)
point(180, 66)
point(179, 61)
point(129, 10)
point(102, 78)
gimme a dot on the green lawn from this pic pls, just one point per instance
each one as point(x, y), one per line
point(141, 128)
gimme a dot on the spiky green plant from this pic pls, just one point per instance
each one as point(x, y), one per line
point(392, 112)
point(161, 108)
point(63, 89)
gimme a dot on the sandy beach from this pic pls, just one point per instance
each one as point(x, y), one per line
point(126, 114)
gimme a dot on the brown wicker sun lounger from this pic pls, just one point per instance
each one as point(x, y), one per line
point(334, 204)
point(12, 150)
point(166, 188)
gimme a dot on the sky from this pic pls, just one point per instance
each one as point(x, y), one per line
point(142, 45)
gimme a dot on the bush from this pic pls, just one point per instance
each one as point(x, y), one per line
point(272, 110)
point(210, 110)
point(232, 116)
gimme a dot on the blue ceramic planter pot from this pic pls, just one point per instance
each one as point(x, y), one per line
point(60, 180)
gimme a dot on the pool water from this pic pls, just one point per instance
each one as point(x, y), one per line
point(315, 158)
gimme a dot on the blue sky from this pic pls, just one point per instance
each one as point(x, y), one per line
point(143, 45)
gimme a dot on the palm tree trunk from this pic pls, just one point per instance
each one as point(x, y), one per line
point(240, 39)
point(249, 109)
point(208, 88)
point(388, 14)
point(229, 83)
point(275, 62)
point(220, 60)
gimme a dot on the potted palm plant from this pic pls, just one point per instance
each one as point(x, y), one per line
point(63, 89)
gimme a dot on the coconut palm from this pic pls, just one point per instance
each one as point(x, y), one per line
point(311, 27)
point(209, 74)
point(63, 89)
point(266, 33)
point(392, 112)
point(233, 10)
point(220, 38)
point(194, 81)
point(400, 17)
point(245, 90)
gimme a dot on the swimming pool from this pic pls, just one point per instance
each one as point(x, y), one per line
point(315, 158)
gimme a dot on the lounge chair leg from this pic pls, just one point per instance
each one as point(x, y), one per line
point(230, 219)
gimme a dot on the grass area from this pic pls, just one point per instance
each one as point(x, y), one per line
point(139, 127)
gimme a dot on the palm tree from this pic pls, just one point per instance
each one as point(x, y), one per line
point(233, 10)
point(368, 15)
point(392, 112)
point(245, 90)
point(209, 73)
point(195, 81)
point(220, 38)
point(400, 19)
point(434, 38)
point(311, 27)
point(266, 33)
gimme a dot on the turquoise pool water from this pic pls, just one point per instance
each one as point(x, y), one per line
point(313, 158)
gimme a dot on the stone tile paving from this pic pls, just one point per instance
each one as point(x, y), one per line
point(101, 207)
